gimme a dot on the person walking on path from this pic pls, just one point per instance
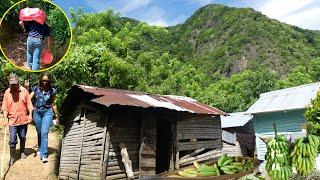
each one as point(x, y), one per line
point(44, 112)
point(17, 110)
point(38, 38)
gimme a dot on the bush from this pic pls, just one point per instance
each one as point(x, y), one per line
point(312, 116)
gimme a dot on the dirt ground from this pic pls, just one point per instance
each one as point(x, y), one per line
point(31, 167)
point(16, 50)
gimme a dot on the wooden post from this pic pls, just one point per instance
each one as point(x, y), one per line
point(80, 152)
point(105, 145)
point(172, 154)
point(126, 161)
point(177, 144)
point(275, 130)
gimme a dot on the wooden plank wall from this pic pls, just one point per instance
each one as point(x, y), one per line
point(232, 149)
point(199, 138)
point(82, 148)
point(124, 127)
point(93, 146)
point(69, 159)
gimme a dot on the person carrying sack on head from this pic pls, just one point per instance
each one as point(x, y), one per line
point(17, 110)
point(39, 38)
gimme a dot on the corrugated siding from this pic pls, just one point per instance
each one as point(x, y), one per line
point(290, 121)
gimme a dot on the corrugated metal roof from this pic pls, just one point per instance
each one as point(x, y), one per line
point(238, 119)
point(286, 99)
point(108, 97)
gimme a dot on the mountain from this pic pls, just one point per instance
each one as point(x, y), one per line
point(223, 56)
point(229, 40)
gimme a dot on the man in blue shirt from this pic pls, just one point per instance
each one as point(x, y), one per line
point(38, 37)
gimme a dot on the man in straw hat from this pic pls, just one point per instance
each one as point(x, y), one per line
point(17, 110)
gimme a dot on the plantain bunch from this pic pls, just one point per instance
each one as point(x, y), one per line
point(278, 163)
point(304, 154)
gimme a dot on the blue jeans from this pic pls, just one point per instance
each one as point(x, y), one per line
point(43, 119)
point(34, 49)
point(21, 130)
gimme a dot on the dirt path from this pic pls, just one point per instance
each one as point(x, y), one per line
point(32, 167)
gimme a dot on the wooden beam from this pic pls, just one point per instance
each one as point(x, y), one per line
point(126, 161)
point(200, 144)
point(177, 146)
point(193, 153)
point(105, 144)
point(80, 152)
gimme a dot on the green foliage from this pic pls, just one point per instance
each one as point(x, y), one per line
point(225, 57)
point(240, 91)
point(60, 28)
point(312, 116)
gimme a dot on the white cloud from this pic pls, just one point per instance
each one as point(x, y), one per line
point(279, 9)
point(155, 16)
point(302, 13)
point(308, 19)
point(132, 5)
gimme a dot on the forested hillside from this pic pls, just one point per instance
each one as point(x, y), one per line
point(229, 40)
point(221, 56)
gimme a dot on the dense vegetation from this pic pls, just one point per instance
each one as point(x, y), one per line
point(312, 116)
point(221, 56)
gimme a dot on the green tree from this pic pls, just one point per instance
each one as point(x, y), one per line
point(312, 115)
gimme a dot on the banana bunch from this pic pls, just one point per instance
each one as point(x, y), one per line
point(199, 171)
point(304, 154)
point(278, 158)
point(231, 165)
point(280, 172)
point(225, 165)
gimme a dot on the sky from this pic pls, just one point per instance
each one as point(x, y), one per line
point(301, 13)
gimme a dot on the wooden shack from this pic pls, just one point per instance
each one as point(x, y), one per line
point(118, 134)
point(238, 134)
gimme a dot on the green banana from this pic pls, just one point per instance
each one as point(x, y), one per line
point(229, 172)
point(311, 140)
point(227, 162)
point(206, 168)
point(239, 168)
point(222, 159)
point(208, 173)
point(225, 169)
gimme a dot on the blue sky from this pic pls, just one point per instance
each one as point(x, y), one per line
point(302, 13)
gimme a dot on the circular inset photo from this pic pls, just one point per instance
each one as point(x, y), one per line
point(35, 35)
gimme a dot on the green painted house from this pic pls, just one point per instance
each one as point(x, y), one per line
point(283, 107)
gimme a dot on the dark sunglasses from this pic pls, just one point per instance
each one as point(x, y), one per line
point(45, 80)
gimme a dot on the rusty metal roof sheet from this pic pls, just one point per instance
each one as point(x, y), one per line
point(108, 97)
